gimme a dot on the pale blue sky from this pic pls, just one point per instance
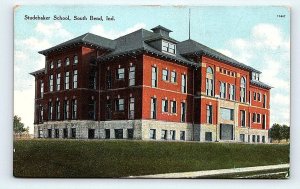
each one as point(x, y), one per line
point(255, 36)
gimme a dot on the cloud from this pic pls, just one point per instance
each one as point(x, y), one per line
point(54, 29)
point(268, 50)
point(34, 44)
point(113, 34)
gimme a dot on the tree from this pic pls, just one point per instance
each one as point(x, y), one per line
point(18, 125)
point(275, 132)
point(285, 132)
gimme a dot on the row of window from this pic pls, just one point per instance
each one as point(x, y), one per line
point(255, 138)
point(227, 72)
point(165, 108)
point(70, 111)
point(210, 87)
point(166, 134)
point(120, 75)
point(166, 77)
point(228, 114)
point(66, 61)
point(67, 80)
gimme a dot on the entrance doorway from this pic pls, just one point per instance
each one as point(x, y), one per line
point(226, 132)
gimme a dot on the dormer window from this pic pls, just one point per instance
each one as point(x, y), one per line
point(255, 76)
point(168, 47)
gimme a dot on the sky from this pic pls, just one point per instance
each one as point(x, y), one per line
point(256, 36)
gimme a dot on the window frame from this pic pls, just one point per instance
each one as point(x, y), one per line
point(120, 75)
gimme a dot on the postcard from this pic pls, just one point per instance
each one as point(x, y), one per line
point(151, 91)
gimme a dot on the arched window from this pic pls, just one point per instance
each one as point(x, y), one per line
point(209, 81)
point(243, 90)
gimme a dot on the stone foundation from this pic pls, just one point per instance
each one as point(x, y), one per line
point(140, 130)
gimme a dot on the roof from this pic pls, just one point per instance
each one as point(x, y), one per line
point(138, 41)
point(159, 27)
point(190, 46)
point(86, 39)
point(260, 84)
point(40, 71)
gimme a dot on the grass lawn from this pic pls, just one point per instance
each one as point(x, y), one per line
point(120, 158)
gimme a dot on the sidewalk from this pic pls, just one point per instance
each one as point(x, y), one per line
point(213, 172)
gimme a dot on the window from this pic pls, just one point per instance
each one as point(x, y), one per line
point(91, 133)
point(130, 133)
point(254, 118)
point(67, 61)
point(74, 79)
point(242, 137)
point(209, 114)
point(209, 81)
point(243, 118)
point(73, 133)
point(108, 109)
point(164, 105)
point(57, 112)
point(108, 79)
point(92, 109)
point(41, 114)
point(173, 77)
point(173, 107)
point(67, 80)
point(58, 82)
point(264, 121)
point(264, 101)
point(227, 114)
point(51, 83)
point(231, 92)
point(65, 133)
point(107, 133)
point(120, 104)
point(92, 80)
point(153, 108)
point(258, 96)
point(258, 118)
point(222, 90)
point(118, 133)
point(258, 138)
point(121, 73)
point(243, 90)
point(164, 134)
point(172, 134)
point(131, 76)
point(183, 83)
point(208, 136)
point(182, 135)
point(168, 47)
point(74, 109)
point(152, 134)
point(263, 139)
point(165, 75)
point(131, 108)
point(58, 63)
point(40, 134)
point(66, 109)
point(183, 112)
point(253, 138)
point(56, 133)
point(49, 133)
point(254, 95)
point(75, 59)
point(255, 76)
point(42, 89)
point(51, 65)
point(50, 111)
point(154, 77)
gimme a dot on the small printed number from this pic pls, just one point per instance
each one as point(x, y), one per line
point(280, 16)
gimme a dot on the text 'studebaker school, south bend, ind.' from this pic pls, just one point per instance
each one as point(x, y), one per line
point(148, 86)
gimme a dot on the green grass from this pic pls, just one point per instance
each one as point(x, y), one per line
point(120, 158)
